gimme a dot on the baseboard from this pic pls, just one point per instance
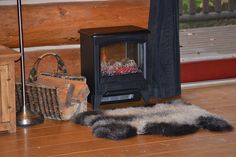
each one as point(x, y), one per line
point(211, 83)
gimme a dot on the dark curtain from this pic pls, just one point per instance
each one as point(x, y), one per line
point(163, 49)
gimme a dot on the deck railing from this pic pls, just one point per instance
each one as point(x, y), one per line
point(208, 9)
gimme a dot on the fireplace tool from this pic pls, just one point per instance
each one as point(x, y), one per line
point(25, 117)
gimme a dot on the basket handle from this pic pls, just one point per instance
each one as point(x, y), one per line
point(34, 71)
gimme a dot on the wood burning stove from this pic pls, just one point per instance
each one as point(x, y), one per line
point(114, 61)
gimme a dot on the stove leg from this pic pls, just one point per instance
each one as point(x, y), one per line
point(96, 101)
point(146, 97)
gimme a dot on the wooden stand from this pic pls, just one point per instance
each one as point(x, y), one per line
point(7, 89)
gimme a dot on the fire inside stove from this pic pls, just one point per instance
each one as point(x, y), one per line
point(113, 67)
point(122, 58)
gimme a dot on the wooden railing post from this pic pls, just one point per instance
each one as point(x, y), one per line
point(205, 8)
point(180, 7)
point(231, 5)
point(217, 4)
point(192, 7)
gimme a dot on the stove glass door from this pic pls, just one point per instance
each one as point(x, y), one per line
point(123, 58)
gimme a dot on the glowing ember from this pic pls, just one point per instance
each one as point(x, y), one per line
point(112, 67)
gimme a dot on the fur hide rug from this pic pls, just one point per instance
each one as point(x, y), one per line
point(170, 119)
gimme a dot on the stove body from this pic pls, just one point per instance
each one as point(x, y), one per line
point(114, 61)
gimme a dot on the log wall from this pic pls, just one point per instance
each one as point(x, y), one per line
point(59, 23)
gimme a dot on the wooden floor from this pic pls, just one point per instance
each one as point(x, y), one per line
point(65, 139)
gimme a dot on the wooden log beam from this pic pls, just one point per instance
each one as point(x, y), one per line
point(59, 23)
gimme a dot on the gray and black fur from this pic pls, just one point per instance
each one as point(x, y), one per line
point(163, 119)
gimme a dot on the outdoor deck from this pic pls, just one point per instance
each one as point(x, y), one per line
point(55, 138)
point(206, 43)
point(208, 53)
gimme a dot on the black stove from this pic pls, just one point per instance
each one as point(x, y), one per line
point(114, 61)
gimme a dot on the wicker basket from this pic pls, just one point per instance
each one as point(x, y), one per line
point(56, 98)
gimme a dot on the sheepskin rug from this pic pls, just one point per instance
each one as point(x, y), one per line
point(167, 119)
